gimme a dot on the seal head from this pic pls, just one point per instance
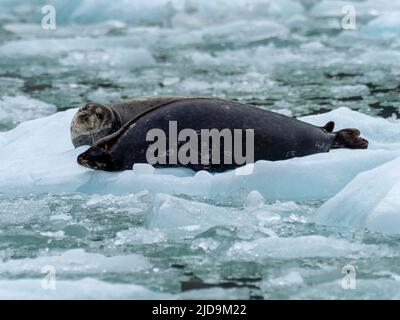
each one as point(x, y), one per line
point(92, 122)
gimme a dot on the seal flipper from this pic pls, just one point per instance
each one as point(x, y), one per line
point(329, 126)
point(350, 139)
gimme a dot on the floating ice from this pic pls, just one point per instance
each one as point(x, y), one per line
point(76, 261)
point(369, 8)
point(387, 25)
point(381, 133)
point(28, 210)
point(88, 52)
point(101, 94)
point(163, 11)
point(111, 57)
point(254, 200)
point(379, 288)
point(294, 247)
point(179, 218)
point(139, 236)
point(14, 110)
point(86, 288)
point(292, 278)
point(371, 200)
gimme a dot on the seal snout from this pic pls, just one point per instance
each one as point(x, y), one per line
point(95, 158)
point(83, 162)
point(86, 121)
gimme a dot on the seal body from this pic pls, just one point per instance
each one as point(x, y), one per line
point(275, 136)
point(94, 121)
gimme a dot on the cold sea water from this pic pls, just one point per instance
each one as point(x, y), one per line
point(321, 227)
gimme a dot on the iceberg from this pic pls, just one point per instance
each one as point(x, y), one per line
point(371, 200)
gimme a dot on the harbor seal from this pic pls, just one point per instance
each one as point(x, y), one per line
point(275, 136)
point(94, 121)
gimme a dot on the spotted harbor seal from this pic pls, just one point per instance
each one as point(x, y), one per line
point(94, 121)
point(275, 136)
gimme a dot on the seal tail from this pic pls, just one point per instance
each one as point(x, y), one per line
point(349, 139)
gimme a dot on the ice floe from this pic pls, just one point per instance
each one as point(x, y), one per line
point(86, 288)
point(76, 261)
point(371, 200)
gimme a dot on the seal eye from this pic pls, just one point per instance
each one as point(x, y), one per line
point(86, 107)
point(99, 116)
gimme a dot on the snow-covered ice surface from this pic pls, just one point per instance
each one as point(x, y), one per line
point(283, 231)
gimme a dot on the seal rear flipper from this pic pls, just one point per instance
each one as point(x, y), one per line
point(350, 139)
point(329, 126)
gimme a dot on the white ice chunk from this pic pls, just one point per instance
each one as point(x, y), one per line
point(254, 200)
point(76, 261)
point(381, 133)
point(386, 25)
point(21, 108)
point(296, 247)
point(86, 288)
point(162, 11)
point(371, 200)
point(181, 218)
point(292, 278)
point(138, 236)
